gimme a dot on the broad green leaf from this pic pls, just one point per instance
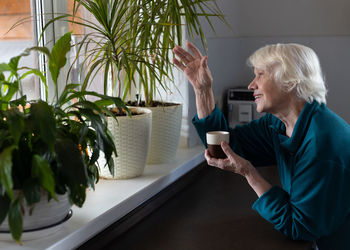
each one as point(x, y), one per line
point(110, 165)
point(4, 207)
point(37, 73)
point(16, 220)
point(43, 50)
point(92, 180)
point(20, 101)
point(42, 170)
point(94, 155)
point(58, 55)
point(14, 64)
point(70, 162)
point(44, 123)
point(12, 90)
point(15, 120)
point(104, 142)
point(77, 194)
point(33, 71)
point(31, 191)
point(6, 170)
point(4, 67)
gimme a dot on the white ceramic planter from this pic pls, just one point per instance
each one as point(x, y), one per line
point(44, 213)
point(166, 128)
point(131, 137)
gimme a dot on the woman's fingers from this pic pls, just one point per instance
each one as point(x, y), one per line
point(183, 54)
point(210, 160)
point(233, 162)
point(204, 62)
point(228, 151)
point(197, 54)
point(219, 163)
point(179, 64)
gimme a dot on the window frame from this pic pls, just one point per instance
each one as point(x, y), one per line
point(44, 11)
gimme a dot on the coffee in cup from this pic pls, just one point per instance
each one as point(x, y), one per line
point(214, 139)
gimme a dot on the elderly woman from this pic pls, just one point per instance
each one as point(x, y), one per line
point(308, 142)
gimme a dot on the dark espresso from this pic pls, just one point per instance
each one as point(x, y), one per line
point(216, 151)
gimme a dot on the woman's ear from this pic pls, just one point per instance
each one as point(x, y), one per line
point(291, 85)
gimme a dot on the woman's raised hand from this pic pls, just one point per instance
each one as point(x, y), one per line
point(194, 66)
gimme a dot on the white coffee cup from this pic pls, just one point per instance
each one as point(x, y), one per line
point(214, 139)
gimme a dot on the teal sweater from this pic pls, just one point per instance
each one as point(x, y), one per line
point(314, 166)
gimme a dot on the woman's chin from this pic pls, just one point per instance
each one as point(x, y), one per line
point(259, 109)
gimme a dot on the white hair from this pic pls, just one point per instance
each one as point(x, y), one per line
point(294, 66)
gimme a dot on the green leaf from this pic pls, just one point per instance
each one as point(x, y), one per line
point(4, 67)
point(70, 162)
point(104, 141)
point(110, 165)
point(43, 50)
point(4, 207)
point(12, 89)
point(6, 170)
point(15, 120)
point(31, 191)
point(77, 194)
point(44, 123)
point(16, 220)
point(14, 64)
point(58, 55)
point(42, 170)
point(20, 101)
point(37, 73)
point(68, 89)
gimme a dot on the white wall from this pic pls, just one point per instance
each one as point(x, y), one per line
point(323, 25)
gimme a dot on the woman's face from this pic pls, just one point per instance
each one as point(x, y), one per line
point(269, 96)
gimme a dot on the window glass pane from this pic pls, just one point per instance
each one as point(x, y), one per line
point(79, 70)
point(77, 33)
point(15, 41)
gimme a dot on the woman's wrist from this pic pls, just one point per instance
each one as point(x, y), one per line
point(205, 102)
point(256, 181)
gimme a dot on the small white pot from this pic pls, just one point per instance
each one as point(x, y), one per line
point(166, 129)
point(131, 137)
point(44, 213)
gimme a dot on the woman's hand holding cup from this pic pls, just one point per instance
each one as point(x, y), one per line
point(224, 158)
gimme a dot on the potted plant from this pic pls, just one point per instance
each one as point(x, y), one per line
point(48, 150)
point(130, 42)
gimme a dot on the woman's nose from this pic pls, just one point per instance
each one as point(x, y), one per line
point(252, 85)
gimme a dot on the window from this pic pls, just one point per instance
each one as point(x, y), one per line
point(15, 41)
point(21, 25)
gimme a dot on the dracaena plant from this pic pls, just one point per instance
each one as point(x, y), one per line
point(49, 146)
point(130, 41)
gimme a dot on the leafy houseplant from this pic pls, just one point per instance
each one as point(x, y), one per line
point(48, 146)
point(130, 42)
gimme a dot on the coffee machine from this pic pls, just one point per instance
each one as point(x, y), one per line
point(241, 107)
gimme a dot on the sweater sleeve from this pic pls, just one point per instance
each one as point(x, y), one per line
point(252, 141)
point(317, 204)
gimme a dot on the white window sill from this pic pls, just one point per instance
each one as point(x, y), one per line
point(111, 200)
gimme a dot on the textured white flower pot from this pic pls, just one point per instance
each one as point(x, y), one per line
point(131, 137)
point(45, 214)
point(166, 128)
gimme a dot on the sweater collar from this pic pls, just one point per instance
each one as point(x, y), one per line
point(292, 143)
